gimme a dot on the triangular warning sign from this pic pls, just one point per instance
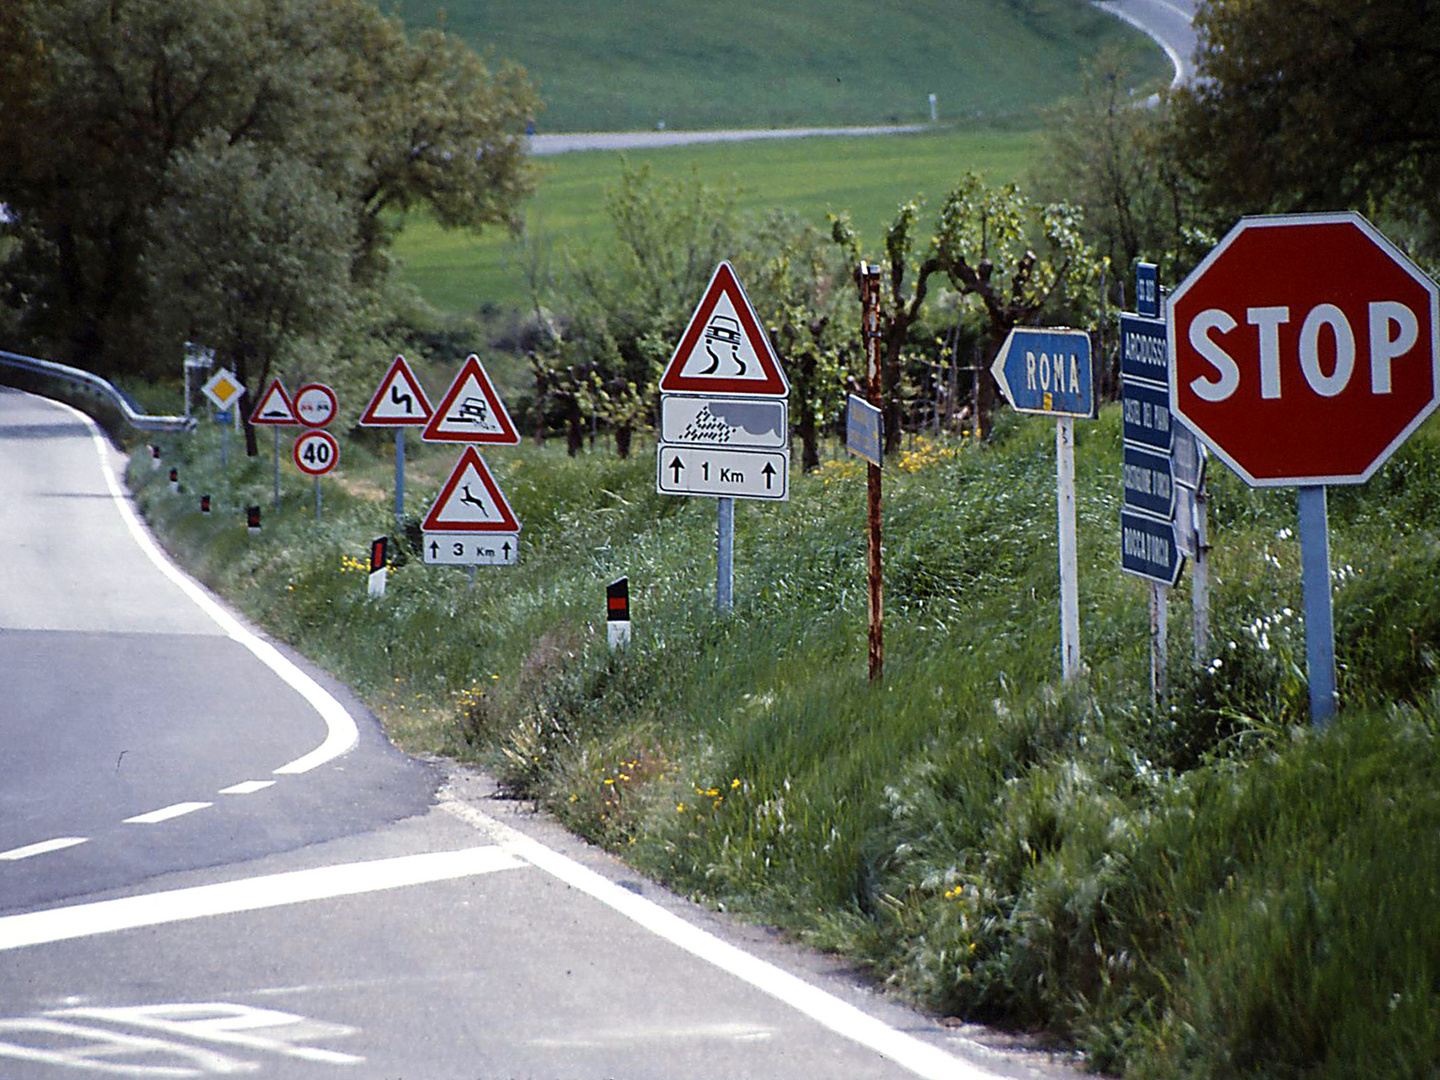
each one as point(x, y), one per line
point(275, 407)
point(399, 402)
point(470, 501)
point(471, 411)
point(724, 350)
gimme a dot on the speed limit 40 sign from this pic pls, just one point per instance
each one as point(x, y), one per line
point(316, 452)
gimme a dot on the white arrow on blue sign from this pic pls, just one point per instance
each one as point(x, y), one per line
point(1047, 371)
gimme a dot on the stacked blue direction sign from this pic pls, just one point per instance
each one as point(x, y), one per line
point(1148, 545)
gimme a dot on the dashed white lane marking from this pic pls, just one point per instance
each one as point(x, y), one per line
point(250, 894)
point(341, 730)
point(165, 813)
point(60, 843)
point(916, 1055)
point(247, 787)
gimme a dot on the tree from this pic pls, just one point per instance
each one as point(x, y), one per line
point(114, 90)
point(626, 307)
point(985, 247)
point(257, 255)
point(1318, 105)
point(1107, 153)
point(798, 287)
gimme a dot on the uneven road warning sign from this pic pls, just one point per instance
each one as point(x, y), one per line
point(471, 501)
point(399, 402)
point(471, 411)
point(724, 349)
point(275, 407)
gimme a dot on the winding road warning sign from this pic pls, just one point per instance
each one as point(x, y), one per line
point(399, 402)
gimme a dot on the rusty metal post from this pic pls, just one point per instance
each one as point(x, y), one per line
point(868, 278)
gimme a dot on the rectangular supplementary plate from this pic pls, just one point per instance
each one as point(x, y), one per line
point(720, 474)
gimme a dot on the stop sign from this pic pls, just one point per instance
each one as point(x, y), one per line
point(1304, 349)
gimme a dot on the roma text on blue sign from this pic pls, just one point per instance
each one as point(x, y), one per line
point(1047, 371)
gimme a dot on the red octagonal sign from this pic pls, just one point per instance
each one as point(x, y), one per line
point(1304, 349)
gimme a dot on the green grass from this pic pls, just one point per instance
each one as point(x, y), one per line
point(614, 65)
point(1211, 889)
point(459, 273)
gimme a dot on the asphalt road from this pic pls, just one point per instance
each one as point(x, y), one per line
point(212, 863)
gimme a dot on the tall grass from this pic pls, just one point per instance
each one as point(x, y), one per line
point(1206, 889)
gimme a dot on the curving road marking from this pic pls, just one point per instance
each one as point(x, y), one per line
point(341, 730)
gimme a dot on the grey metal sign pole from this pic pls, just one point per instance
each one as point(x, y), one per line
point(725, 555)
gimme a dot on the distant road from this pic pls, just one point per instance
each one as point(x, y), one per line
point(1171, 23)
point(540, 145)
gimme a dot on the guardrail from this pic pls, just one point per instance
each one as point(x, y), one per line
point(129, 409)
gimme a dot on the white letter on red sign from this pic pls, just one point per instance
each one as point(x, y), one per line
point(1200, 327)
point(1268, 319)
point(1331, 316)
point(1384, 348)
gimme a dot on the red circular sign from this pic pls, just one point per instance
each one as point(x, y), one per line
point(316, 452)
point(1304, 349)
point(315, 404)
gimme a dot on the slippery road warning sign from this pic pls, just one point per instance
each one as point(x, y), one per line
point(471, 411)
point(724, 350)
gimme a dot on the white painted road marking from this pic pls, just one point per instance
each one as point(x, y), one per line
point(54, 1038)
point(165, 813)
point(252, 894)
point(247, 787)
point(341, 730)
point(60, 843)
point(916, 1055)
point(228, 1025)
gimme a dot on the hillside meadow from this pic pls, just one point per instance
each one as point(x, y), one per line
point(604, 65)
point(460, 273)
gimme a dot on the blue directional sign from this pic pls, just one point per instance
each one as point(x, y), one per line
point(1146, 419)
point(1142, 349)
point(1147, 290)
point(1148, 484)
point(863, 428)
point(1147, 548)
point(1149, 544)
point(1047, 371)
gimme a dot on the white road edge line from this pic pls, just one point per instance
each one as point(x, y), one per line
point(916, 1055)
point(44, 847)
point(165, 813)
point(250, 894)
point(341, 730)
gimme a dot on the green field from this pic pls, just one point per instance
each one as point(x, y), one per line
point(614, 65)
point(459, 272)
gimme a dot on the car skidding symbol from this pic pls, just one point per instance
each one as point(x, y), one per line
point(472, 411)
point(723, 331)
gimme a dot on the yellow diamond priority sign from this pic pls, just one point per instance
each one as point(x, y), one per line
point(224, 389)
